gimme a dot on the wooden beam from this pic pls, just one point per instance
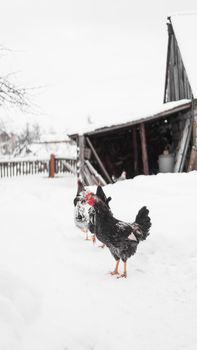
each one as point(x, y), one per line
point(193, 159)
point(80, 160)
point(88, 178)
point(81, 149)
point(69, 167)
point(144, 149)
point(135, 151)
point(194, 126)
point(194, 123)
point(183, 146)
point(99, 160)
point(99, 178)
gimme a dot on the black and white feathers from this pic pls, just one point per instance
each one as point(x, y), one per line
point(81, 215)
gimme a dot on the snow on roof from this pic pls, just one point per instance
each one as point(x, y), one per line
point(154, 112)
point(185, 29)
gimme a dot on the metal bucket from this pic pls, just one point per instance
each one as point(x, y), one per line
point(166, 163)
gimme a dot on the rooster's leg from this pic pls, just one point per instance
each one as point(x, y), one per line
point(124, 274)
point(115, 272)
point(86, 234)
point(94, 239)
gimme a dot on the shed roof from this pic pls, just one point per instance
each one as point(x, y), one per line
point(162, 111)
point(185, 29)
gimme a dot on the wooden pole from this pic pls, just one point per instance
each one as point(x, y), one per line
point(195, 123)
point(135, 151)
point(193, 159)
point(80, 160)
point(183, 146)
point(52, 166)
point(194, 126)
point(98, 177)
point(99, 160)
point(81, 149)
point(144, 149)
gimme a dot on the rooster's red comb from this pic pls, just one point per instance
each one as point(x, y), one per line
point(90, 199)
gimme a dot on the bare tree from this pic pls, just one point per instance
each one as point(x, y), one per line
point(36, 132)
point(10, 94)
point(30, 133)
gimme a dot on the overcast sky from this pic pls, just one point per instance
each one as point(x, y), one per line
point(102, 58)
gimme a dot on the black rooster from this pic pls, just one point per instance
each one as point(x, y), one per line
point(120, 237)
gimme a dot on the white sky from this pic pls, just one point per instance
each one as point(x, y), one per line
point(101, 58)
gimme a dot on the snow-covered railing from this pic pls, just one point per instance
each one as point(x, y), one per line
point(11, 168)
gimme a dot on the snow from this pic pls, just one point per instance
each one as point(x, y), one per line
point(55, 290)
point(143, 113)
point(54, 137)
point(185, 27)
point(44, 150)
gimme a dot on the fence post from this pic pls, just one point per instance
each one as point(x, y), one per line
point(52, 166)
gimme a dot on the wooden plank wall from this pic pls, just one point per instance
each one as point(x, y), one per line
point(177, 84)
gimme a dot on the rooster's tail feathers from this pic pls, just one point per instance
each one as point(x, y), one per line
point(144, 222)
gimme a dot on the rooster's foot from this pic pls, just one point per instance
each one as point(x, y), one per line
point(113, 273)
point(122, 275)
point(102, 246)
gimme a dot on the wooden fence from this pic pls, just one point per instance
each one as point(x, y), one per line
point(60, 166)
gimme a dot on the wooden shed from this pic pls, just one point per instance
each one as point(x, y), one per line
point(134, 146)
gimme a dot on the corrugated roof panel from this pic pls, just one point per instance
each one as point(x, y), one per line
point(185, 29)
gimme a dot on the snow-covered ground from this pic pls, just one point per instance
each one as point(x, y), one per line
point(55, 290)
